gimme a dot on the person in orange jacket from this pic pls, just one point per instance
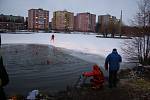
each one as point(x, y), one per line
point(98, 77)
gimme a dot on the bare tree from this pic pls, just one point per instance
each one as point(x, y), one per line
point(138, 49)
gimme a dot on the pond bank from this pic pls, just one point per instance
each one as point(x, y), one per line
point(129, 88)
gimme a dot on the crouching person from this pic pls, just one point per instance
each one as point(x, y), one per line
point(98, 77)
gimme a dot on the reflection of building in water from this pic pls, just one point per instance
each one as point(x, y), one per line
point(38, 19)
point(10, 22)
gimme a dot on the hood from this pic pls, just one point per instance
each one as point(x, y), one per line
point(95, 67)
point(115, 52)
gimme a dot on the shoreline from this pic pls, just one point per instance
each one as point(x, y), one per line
point(67, 92)
point(131, 88)
point(118, 37)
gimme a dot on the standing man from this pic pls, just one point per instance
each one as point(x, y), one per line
point(3, 76)
point(112, 63)
point(52, 38)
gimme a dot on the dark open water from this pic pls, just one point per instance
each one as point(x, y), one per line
point(41, 67)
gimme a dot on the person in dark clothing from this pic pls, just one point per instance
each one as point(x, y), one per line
point(52, 37)
point(3, 78)
point(112, 63)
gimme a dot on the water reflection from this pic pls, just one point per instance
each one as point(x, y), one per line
point(40, 67)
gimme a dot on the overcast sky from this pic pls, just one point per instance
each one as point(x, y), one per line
point(98, 7)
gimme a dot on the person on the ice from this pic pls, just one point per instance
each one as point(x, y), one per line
point(52, 37)
point(98, 77)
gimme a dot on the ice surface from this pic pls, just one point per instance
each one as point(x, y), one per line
point(78, 42)
point(86, 47)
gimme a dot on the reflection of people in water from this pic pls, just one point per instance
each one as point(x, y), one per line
point(16, 51)
point(48, 62)
point(52, 38)
point(36, 53)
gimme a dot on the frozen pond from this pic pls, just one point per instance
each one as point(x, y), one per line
point(40, 67)
point(46, 67)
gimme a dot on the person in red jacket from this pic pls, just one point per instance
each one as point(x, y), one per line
point(98, 77)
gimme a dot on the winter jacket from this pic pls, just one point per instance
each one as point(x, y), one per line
point(97, 74)
point(3, 74)
point(113, 60)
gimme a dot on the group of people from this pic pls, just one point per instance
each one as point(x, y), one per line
point(112, 64)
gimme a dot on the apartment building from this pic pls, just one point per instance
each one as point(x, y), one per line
point(38, 19)
point(63, 21)
point(85, 22)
